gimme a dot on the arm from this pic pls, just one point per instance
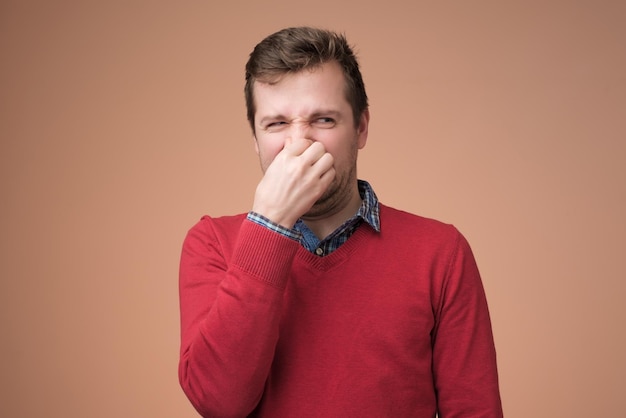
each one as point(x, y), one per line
point(230, 311)
point(464, 357)
point(231, 298)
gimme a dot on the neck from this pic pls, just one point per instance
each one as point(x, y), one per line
point(324, 225)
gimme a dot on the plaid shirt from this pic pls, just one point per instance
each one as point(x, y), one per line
point(368, 212)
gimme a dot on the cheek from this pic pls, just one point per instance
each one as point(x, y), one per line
point(342, 148)
point(268, 149)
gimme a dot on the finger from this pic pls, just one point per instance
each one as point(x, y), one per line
point(324, 162)
point(313, 153)
point(327, 176)
point(296, 146)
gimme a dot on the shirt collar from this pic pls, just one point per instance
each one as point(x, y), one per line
point(369, 210)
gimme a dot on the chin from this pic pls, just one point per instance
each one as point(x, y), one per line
point(330, 201)
point(335, 197)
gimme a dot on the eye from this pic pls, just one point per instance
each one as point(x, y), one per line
point(272, 126)
point(325, 122)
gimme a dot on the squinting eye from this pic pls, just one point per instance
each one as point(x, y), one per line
point(274, 125)
point(326, 121)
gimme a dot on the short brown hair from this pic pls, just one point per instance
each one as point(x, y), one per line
point(294, 49)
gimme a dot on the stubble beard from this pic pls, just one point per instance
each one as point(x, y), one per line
point(336, 197)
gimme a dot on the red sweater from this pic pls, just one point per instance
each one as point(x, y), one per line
point(391, 324)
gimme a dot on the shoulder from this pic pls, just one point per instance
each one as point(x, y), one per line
point(396, 219)
point(419, 233)
point(222, 223)
point(222, 229)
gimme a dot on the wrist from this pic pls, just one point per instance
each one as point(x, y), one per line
point(276, 217)
point(267, 223)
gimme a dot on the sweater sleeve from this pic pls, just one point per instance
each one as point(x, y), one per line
point(230, 311)
point(464, 357)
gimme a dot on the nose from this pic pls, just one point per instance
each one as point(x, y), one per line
point(302, 129)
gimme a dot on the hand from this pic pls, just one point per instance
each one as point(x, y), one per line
point(294, 181)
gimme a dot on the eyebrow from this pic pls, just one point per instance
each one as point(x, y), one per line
point(314, 115)
point(333, 113)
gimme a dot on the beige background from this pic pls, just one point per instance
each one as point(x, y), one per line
point(122, 123)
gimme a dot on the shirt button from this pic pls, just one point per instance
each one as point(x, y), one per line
point(319, 251)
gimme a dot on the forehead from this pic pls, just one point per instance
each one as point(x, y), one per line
point(321, 86)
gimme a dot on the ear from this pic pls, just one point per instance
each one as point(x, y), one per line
point(256, 144)
point(362, 129)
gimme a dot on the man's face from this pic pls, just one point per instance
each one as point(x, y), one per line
point(311, 104)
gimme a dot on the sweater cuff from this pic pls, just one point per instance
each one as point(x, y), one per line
point(264, 253)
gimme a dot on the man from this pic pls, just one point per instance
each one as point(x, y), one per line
point(321, 301)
